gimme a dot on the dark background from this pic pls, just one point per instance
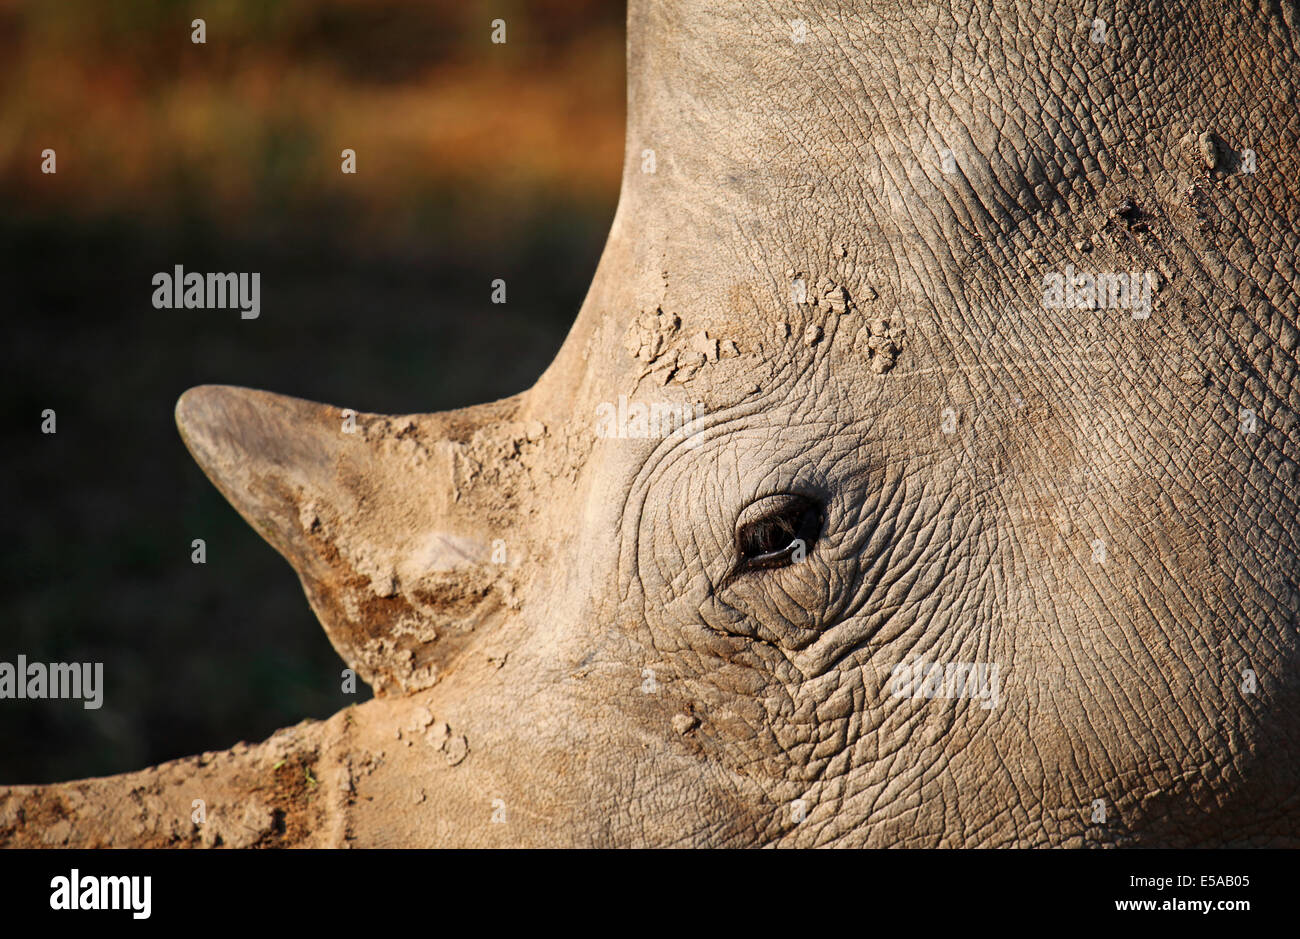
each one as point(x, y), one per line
point(475, 161)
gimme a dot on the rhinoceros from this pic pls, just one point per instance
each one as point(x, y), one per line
point(920, 470)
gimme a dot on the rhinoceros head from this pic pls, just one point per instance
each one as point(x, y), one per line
point(920, 468)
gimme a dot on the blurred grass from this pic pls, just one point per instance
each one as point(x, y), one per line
point(475, 161)
point(254, 120)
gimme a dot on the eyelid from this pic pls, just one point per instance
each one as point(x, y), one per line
point(769, 506)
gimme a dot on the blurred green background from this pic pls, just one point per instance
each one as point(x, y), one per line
point(475, 161)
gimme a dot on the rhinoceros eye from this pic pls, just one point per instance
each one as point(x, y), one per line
point(776, 531)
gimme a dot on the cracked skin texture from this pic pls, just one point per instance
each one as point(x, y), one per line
point(610, 684)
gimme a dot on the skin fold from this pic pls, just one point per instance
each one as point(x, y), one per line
point(834, 249)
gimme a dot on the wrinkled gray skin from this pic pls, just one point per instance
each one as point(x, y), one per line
point(1102, 521)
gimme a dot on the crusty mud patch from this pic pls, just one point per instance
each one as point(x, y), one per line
point(280, 803)
point(671, 354)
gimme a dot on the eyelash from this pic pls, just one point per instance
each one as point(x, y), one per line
point(769, 541)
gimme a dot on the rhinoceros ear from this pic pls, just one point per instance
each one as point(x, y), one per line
point(364, 508)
